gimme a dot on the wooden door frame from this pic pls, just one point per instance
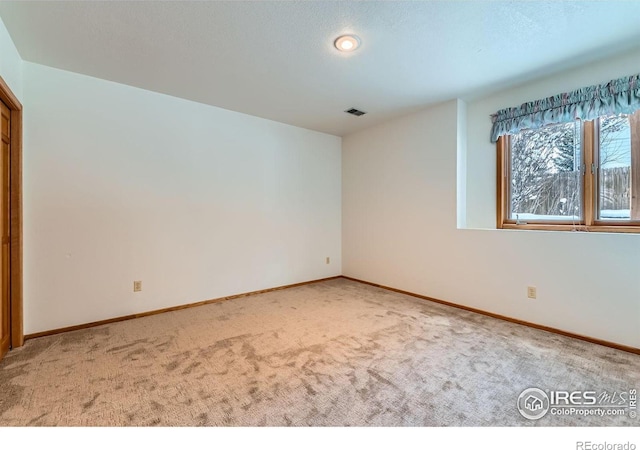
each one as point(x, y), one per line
point(15, 220)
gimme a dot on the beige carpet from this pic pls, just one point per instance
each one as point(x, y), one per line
point(330, 353)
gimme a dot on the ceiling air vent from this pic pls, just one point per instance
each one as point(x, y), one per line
point(355, 112)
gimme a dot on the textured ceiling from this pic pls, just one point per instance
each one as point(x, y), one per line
point(275, 59)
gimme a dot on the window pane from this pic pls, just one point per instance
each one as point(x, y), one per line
point(614, 174)
point(546, 177)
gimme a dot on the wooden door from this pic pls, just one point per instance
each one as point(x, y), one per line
point(5, 309)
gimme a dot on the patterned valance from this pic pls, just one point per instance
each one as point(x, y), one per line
point(621, 96)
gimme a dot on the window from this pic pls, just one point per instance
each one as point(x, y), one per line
point(582, 175)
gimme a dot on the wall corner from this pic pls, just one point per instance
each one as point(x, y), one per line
point(461, 164)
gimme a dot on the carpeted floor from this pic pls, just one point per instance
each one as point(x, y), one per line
point(331, 353)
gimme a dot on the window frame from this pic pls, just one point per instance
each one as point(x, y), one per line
point(589, 153)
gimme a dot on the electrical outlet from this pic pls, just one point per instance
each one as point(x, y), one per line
point(328, 260)
point(137, 286)
point(531, 292)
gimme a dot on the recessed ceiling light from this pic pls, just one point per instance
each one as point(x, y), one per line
point(347, 43)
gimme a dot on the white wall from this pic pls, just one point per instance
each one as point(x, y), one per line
point(122, 184)
point(400, 223)
point(199, 202)
point(10, 62)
